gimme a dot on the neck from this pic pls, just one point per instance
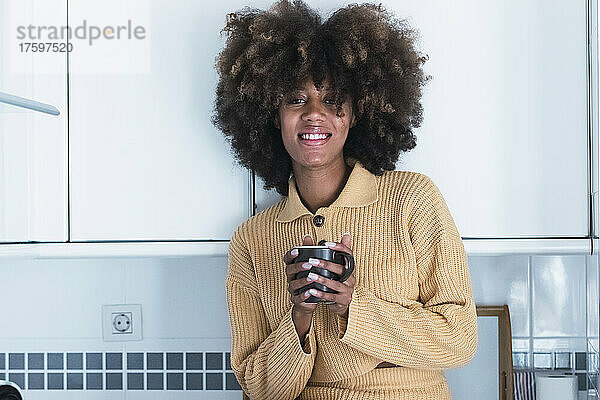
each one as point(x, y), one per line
point(320, 186)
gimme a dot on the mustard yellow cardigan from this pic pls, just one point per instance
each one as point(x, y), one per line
point(412, 303)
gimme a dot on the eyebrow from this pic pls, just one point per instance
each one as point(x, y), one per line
point(325, 89)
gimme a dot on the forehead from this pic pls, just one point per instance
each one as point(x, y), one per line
point(309, 85)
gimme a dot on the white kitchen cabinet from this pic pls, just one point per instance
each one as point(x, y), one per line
point(33, 155)
point(504, 135)
point(146, 162)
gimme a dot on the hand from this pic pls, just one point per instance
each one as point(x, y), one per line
point(341, 301)
point(291, 269)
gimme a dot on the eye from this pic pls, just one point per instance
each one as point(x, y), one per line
point(329, 101)
point(295, 100)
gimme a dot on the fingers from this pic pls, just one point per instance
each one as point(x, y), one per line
point(344, 245)
point(288, 257)
point(347, 241)
point(300, 301)
point(307, 241)
point(340, 287)
point(292, 269)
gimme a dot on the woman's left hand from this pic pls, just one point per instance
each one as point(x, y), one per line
point(345, 289)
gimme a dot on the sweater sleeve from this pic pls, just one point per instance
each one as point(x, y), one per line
point(268, 364)
point(439, 330)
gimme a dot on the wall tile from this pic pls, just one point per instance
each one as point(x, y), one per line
point(542, 360)
point(214, 360)
point(17, 378)
point(194, 361)
point(135, 381)
point(114, 381)
point(74, 381)
point(214, 381)
point(93, 381)
point(93, 361)
point(74, 360)
point(114, 361)
point(55, 361)
point(503, 280)
point(154, 361)
point(193, 381)
point(16, 361)
point(231, 382)
point(55, 381)
point(95, 282)
point(559, 306)
point(559, 345)
point(184, 284)
point(135, 360)
point(562, 360)
point(174, 381)
point(174, 360)
point(35, 381)
point(35, 361)
point(154, 381)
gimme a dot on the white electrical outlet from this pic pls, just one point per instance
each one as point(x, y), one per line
point(122, 322)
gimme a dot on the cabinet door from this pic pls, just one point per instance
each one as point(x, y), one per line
point(33, 159)
point(504, 135)
point(146, 162)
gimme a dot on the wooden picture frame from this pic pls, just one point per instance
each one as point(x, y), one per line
point(505, 362)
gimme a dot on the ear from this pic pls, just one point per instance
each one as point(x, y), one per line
point(353, 122)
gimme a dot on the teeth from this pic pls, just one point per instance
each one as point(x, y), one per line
point(313, 136)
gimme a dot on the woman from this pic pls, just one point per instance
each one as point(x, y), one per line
point(321, 111)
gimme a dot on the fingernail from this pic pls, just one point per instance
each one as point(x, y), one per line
point(294, 252)
point(314, 261)
point(307, 265)
point(347, 233)
point(308, 234)
point(312, 277)
point(313, 291)
point(330, 244)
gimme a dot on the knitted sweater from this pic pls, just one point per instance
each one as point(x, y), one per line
point(412, 303)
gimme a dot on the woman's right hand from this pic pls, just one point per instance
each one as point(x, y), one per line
point(300, 306)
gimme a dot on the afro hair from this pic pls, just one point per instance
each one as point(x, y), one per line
point(362, 50)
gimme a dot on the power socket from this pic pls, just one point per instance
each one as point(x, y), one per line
point(121, 322)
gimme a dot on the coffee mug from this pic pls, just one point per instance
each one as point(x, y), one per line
point(327, 254)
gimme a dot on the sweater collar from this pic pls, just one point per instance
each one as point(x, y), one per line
point(360, 190)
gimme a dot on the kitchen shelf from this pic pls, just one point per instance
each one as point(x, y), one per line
point(473, 247)
point(115, 249)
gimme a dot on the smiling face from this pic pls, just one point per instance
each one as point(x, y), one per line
point(312, 133)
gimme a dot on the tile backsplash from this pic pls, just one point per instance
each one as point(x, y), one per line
point(119, 371)
point(547, 299)
point(54, 340)
point(553, 303)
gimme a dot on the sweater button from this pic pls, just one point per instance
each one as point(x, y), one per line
point(319, 220)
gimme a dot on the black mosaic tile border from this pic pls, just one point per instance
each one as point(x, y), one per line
point(149, 371)
point(560, 361)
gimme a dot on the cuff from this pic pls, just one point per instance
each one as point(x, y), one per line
point(342, 322)
point(353, 326)
point(310, 341)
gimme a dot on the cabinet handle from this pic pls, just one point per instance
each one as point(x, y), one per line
point(26, 103)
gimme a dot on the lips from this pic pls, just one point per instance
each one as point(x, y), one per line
point(314, 142)
point(314, 135)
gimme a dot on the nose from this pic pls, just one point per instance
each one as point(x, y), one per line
point(314, 111)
